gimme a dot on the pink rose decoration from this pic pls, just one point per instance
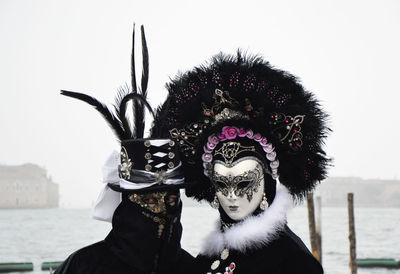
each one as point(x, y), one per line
point(274, 164)
point(207, 150)
point(229, 132)
point(207, 157)
point(241, 132)
point(232, 133)
point(268, 148)
point(213, 139)
point(257, 137)
point(271, 156)
point(210, 146)
point(263, 142)
point(249, 134)
point(221, 137)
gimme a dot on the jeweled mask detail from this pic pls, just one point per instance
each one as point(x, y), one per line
point(239, 187)
point(222, 100)
point(230, 150)
point(125, 167)
point(245, 184)
point(288, 129)
point(157, 202)
point(187, 136)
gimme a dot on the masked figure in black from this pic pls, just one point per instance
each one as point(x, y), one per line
point(141, 196)
point(251, 140)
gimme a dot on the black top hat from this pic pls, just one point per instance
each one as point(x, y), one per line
point(149, 165)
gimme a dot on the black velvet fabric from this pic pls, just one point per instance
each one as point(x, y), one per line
point(132, 247)
point(285, 255)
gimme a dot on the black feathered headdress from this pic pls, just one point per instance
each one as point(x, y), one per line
point(239, 104)
point(145, 164)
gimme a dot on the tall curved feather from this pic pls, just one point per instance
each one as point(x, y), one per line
point(139, 111)
point(122, 92)
point(100, 107)
point(145, 59)
point(135, 106)
point(133, 71)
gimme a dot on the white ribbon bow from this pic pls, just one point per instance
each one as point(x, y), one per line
point(108, 199)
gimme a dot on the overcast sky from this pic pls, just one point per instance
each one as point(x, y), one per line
point(346, 52)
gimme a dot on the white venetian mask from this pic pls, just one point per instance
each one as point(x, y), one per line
point(239, 186)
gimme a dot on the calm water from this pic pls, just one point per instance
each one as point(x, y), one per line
point(52, 234)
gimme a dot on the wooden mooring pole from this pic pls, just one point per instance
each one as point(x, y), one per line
point(314, 237)
point(352, 234)
point(318, 225)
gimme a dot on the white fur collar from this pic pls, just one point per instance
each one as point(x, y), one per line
point(254, 231)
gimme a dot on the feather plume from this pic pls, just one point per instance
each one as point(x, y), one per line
point(145, 59)
point(135, 105)
point(122, 92)
point(248, 78)
point(133, 71)
point(139, 107)
point(119, 121)
point(103, 109)
point(139, 99)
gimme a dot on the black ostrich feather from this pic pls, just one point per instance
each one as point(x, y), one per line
point(133, 71)
point(145, 59)
point(135, 106)
point(122, 92)
point(259, 90)
point(119, 124)
point(138, 106)
point(113, 121)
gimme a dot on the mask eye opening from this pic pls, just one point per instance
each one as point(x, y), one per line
point(244, 184)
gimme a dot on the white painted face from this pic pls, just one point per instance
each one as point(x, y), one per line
point(239, 187)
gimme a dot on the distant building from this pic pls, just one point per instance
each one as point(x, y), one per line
point(367, 193)
point(27, 186)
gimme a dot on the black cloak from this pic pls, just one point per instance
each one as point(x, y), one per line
point(133, 247)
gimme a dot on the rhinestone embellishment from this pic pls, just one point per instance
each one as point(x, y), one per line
point(215, 265)
point(228, 269)
point(126, 165)
point(224, 254)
